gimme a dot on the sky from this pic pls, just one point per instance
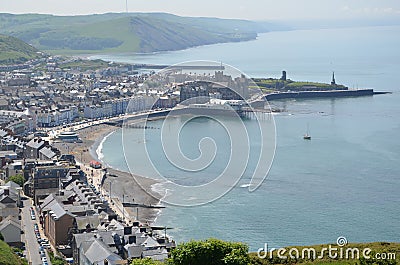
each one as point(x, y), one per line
point(243, 9)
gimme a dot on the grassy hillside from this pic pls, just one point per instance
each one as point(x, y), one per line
point(7, 256)
point(83, 65)
point(278, 84)
point(133, 32)
point(13, 50)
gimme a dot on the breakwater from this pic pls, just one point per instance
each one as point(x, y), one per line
point(322, 94)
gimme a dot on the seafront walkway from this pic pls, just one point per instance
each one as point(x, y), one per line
point(76, 126)
point(95, 177)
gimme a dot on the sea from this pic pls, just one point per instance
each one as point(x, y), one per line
point(344, 182)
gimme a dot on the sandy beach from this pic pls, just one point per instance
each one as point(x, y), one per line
point(124, 185)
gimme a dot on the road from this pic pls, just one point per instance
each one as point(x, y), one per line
point(31, 244)
point(75, 126)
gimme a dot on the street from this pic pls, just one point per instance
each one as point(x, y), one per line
point(31, 244)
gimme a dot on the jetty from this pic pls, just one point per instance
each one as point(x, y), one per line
point(322, 94)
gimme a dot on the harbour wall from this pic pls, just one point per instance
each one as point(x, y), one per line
point(321, 94)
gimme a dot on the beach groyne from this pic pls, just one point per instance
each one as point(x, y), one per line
point(322, 94)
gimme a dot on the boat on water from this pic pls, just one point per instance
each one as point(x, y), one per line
point(307, 136)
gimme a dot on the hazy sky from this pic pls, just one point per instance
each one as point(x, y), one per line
point(247, 9)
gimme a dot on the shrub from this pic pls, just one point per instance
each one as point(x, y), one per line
point(19, 179)
point(210, 252)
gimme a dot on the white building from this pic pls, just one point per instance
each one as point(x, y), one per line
point(56, 117)
point(116, 107)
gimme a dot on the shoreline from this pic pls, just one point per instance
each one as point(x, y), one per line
point(124, 185)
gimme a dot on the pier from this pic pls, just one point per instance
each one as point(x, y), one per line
point(256, 113)
point(322, 94)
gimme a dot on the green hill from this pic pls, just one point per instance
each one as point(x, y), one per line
point(7, 256)
point(13, 50)
point(122, 32)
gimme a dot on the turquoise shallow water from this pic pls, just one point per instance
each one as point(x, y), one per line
point(345, 182)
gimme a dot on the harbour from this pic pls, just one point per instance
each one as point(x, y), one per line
point(341, 182)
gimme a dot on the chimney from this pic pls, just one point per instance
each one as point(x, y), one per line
point(6, 192)
point(127, 230)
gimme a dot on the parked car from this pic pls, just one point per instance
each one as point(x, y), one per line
point(45, 245)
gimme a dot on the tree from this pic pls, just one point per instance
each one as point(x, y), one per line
point(19, 179)
point(210, 252)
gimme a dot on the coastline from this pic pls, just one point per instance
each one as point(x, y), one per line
point(125, 186)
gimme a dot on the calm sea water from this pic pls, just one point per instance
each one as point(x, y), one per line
point(345, 182)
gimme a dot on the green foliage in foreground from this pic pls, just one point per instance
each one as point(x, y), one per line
point(215, 252)
point(55, 260)
point(7, 256)
point(19, 179)
point(210, 252)
point(207, 252)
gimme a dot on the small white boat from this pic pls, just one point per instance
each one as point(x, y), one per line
point(307, 136)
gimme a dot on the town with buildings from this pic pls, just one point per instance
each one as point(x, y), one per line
point(60, 207)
